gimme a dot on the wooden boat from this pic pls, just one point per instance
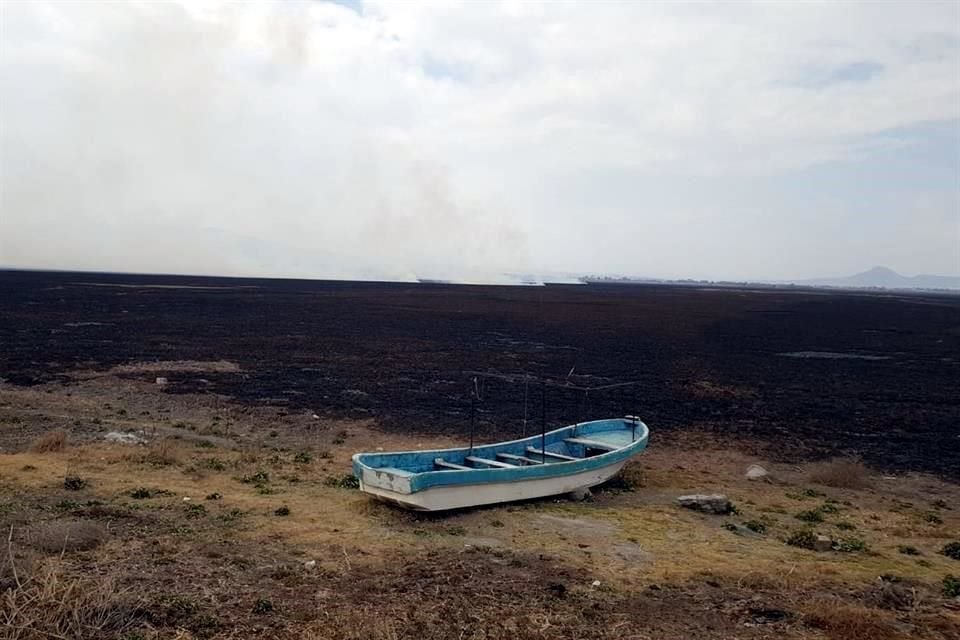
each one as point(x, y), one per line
point(560, 461)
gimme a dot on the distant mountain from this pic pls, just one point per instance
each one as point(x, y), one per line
point(882, 277)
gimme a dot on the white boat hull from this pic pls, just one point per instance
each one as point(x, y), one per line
point(441, 498)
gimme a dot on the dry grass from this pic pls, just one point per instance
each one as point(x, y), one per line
point(50, 442)
point(841, 620)
point(49, 603)
point(841, 473)
point(66, 535)
point(162, 453)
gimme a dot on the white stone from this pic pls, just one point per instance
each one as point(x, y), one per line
point(822, 543)
point(596, 583)
point(310, 564)
point(161, 381)
point(579, 495)
point(124, 438)
point(756, 472)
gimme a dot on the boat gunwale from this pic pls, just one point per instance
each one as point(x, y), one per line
point(423, 480)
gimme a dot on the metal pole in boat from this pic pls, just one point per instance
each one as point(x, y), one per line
point(543, 421)
point(473, 413)
point(526, 386)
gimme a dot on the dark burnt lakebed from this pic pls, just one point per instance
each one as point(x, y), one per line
point(804, 374)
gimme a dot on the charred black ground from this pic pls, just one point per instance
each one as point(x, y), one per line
point(707, 358)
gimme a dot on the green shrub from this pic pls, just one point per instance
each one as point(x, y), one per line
point(812, 515)
point(757, 526)
point(74, 483)
point(262, 606)
point(303, 457)
point(214, 464)
point(804, 538)
point(850, 545)
point(846, 526)
point(951, 550)
point(907, 550)
point(282, 511)
point(140, 493)
point(346, 481)
point(256, 478)
point(951, 586)
point(932, 518)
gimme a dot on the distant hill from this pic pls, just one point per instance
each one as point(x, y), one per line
point(882, 277)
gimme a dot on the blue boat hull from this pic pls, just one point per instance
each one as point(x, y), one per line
point(566, 459)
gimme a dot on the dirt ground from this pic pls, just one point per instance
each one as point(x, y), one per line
point(219, 504)
point(231, 521)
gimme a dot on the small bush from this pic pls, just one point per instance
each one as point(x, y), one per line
point(456, 531)
point(162, 453)
point(231, 516)
point(951, 586)
point(74, 483)
point(729, 526)
point(932, 518)
point(850, 545)
point(324, 454)
point(141, 493)
point(282, 511)
point(907, 550)
point(940, 503)
point(205, 444)
point(346, 481)
point(262, 606)
point(829, 508)
point(813, 493)
point(67, 505)
point(846, 526)
point(265, 490)
point(214, 496)
point(49, 442)
point(195, 510)
point(951, 550)
point(756, 526)
point(214, 464)
point(812, 515)
point(843, 473)
point(303, 457)
point(258, 477)
point(804, 539)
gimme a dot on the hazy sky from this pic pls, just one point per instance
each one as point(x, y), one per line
point(399, 139)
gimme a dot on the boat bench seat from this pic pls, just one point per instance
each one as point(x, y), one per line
point(550, 454)
point(490, 463)
point(443, 464)
point(522, 459)
point(592, 444)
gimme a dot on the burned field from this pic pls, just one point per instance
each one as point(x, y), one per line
point(800, 374)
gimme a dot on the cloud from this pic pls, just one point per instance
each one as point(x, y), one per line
point(458, 140)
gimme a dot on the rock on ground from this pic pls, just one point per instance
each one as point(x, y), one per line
point(756, 472)
point(717, 504)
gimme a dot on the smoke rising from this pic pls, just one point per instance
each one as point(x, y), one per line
point(224, 141)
